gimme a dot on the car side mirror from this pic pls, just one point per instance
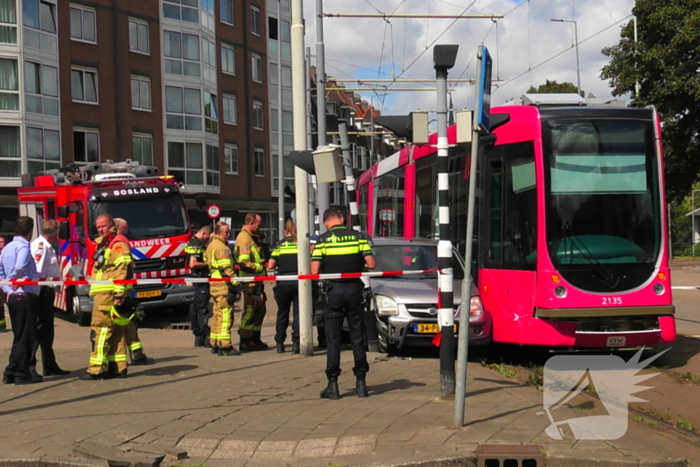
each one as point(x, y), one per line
point(63, 232)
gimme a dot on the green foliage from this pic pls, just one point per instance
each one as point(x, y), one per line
point(665, 62)
point(552, 87)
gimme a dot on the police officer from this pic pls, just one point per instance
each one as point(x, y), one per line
point(284, 258)
point(47, 266)
point(250, 260)
point(218, 258)
point(17, 263)
point(199, 311)
point(135, 312)
point(341, 250)
point(3, 323)
point(112, 261)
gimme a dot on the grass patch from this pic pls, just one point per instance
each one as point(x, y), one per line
point(687, 377)
point(686, 425)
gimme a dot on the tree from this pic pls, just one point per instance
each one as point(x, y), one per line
point(665, 62)
point(552, 87)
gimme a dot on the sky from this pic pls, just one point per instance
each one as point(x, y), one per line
point(524, 45)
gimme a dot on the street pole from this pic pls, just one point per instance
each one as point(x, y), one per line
point(349, 175)
point(322, 189)
point(280, 140)
point(443, 59)
point(310, 179)
point(465, 300)
point(692, 220)
point(578, 67)
point(636, 84)
point(300, 179)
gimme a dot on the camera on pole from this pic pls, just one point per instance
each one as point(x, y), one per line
point(413, 127)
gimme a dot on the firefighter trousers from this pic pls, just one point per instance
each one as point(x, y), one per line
point(133, 343)
point(253, 315)
point(221, 323)
point(108, 339)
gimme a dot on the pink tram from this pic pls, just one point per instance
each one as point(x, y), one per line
point(571, 238)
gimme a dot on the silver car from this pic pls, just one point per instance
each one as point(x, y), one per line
point(406, 306)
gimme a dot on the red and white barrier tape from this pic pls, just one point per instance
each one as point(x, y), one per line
point(193, 280)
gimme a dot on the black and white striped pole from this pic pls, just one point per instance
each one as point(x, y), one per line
point(349, 175)
point(444, 57)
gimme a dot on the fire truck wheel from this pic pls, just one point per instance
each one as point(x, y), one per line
point(84, 319)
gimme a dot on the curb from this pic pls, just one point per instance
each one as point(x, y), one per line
point(559, 460)
point(51, 461)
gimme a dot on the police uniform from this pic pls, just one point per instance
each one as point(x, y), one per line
point(47, 265)
point(250, 260)
point(341, 250)
point(108, 325)
point(199, 310)
point(286, 292)
point(218, 258)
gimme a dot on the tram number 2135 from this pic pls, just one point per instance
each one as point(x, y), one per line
point(612, 300)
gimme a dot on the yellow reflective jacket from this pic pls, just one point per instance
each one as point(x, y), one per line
point(116, 263)
point(219, 259)
point(249, 255)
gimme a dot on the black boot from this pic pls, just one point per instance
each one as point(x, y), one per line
point(361, 387)
point(295, 348)
point(198, 341)
point(260, 343)
point(228, 352)
point(140, 358)
point(331, 392)
point(280, 347)
point(34, 374)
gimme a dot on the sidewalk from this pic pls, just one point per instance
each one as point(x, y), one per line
point(263, 409)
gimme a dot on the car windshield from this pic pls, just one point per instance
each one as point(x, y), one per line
point(411, 258)
point(154, 217)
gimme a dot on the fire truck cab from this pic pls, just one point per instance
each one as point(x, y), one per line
point(152, 205)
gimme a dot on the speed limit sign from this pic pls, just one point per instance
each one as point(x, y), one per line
point(213, 211)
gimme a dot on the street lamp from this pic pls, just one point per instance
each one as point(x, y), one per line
point(578, 68)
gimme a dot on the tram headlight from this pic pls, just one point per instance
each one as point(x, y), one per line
point(560, 291)
point(386, 306)
point(659, 289)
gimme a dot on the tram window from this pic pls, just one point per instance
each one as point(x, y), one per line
point(512, 205)
point(390, 204)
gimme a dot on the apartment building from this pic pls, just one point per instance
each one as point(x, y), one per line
point(179, 84)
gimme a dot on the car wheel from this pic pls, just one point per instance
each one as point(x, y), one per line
point(388, 348)
point(84, 319)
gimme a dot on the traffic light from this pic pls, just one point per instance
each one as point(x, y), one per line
point(412, 127)
point(304, 160)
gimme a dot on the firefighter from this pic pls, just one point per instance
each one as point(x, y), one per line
point(284, 258)
point(199, 311)
point(219, 259)
point(133, 342)
point(112, 260)
point(251, 262)
point(342, 250)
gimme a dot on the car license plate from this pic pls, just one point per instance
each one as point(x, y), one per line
point(617, 341)
point(428, 328)
point(149, 293)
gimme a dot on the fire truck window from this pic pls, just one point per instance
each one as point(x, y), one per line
point(51, 214)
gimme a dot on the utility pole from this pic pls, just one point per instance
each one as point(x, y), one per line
point(636, 43)
point(578, 68)
point(444, 57)
point(322, 189)
point(301, 179)
point(349, 175)
point(280, 140)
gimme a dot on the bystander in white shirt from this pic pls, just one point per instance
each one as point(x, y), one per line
point(45, 258)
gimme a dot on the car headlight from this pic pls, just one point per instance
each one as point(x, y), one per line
point(386, 306)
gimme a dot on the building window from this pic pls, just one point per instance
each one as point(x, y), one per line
point(40, 25)
point(41, 88)
point(285, 5)
point(140, 93)
point(138, 36)
point(213, 174)
point(84, 85)
point(255, 20)
point(182, 53)
point(143, 149)
point(231, 159)
point(209, 59)
point(183, 107)
point(86, 146)
point(227, 11)
point(8, 21)
point(230, 109)
point(258, 115)
point(259, 162)
point(228, 60)
point(257, 71)
point(43, 149)
point(211, 116)
point(181, 10)
point(82, 24)
point(9, 85)
point(10, 153)
point(186, 163)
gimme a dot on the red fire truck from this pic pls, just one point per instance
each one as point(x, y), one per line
point(152, 205)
